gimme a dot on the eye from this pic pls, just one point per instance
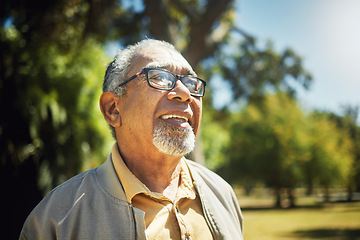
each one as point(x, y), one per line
point(160, 79)
point(191, 85)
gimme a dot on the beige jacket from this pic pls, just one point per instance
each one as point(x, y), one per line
point(93, 205)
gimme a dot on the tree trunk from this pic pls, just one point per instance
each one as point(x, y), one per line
point(291, 197)
point(197, 154)
point(309, 189)
point(349, 193)
point(327, 194)
point(277, 198)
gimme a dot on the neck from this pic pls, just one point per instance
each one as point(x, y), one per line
point(159, 172)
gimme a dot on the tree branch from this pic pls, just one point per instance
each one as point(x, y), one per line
point(201, 27)
point(159, 23)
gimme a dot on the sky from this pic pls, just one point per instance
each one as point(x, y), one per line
point(325, 33)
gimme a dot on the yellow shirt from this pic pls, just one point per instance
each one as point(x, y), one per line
point(165, 219)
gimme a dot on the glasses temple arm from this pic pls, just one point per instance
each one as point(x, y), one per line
point(129, 79)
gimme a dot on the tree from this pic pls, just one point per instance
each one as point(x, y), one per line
point(253, 71)
point(277, 144)
point(265, 137)
point(329, 154)
point(50, 78)
point(348, 123)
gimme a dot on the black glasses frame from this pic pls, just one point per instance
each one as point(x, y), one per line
point(180, 77)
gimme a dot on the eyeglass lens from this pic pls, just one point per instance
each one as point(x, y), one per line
point(166, 81)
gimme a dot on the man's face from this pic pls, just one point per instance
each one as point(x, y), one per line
point(154, 119)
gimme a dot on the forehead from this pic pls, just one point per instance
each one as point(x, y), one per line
point(161, 57)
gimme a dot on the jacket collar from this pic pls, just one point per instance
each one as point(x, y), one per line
point(109, 179)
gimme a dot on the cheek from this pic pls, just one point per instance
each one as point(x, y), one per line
point(140, 110)
point(147, 109)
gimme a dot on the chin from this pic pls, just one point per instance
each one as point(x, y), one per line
point(173, 140)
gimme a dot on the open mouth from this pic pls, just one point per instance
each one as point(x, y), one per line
point(176, 120)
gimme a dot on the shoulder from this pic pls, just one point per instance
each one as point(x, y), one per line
point(211, 186)
point(66, 194)
point(208, 183)
point(56, 206)
point(71, 186)
point(81, 208)
point(219, 201)
point(199, 171)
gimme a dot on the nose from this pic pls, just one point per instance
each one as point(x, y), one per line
point(180, 92)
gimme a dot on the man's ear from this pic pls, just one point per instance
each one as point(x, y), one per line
point(109, 108)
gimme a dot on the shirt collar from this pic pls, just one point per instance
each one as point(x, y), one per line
point(186, 188)
point(133, 186)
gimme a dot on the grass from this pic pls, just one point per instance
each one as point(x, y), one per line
point(311, 220)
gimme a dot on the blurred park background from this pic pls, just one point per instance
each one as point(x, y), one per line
point(295, 163)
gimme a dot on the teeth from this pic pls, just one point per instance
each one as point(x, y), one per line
point(174, 116)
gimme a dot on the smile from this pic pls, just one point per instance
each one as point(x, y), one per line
point(175, 117)
point(176, 120)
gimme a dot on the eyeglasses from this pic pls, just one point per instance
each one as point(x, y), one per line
point(162, 79)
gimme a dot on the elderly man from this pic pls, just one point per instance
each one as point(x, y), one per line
point(146, 189)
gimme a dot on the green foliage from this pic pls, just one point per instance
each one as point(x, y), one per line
point(51, 77)
point(265, 139)
point(55, 95)
point(215, 137)
point(348, 124)
point(277, 144)
point(252, 71)
point(330, 153)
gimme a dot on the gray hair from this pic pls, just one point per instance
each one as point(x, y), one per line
point(119, 67)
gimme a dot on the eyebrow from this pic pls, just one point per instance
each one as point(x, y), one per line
point(157, 65)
